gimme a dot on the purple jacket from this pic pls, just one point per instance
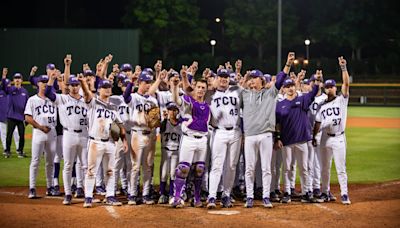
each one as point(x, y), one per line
point(17, 101)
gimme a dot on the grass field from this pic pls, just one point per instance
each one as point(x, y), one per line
point(373, 155)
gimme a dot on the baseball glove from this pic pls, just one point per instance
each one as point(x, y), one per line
point(153, 117)
point(115, 132)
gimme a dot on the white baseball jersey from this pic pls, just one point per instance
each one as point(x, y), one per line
point(225, 107)
point(73, 112)
point(123, 109)
point(139, 105)
point(42, 110)
point(171, 136)
point(333, 115)
point(101, 115)
point(163, 98)
point(315, 106)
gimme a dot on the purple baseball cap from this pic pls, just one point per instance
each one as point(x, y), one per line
point(17, 75)
point(126, 81)
point(173, 74)
point(148, 70)
point(232, 76)
point(223, 73)
point(329, 83)
point(105, 84)
point(88, 73)
point(126, 67)
point(256, 73)
point(50, 66)
point(267, 78)
point(288, 82)
point(145, 77)
point(306, 81)
point(121, 76)
point(73, 80)
point(172, 105)
point(43, 78)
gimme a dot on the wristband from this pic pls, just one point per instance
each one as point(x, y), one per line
point(343, 67)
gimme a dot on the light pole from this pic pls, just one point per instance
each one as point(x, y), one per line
point(213, 43)
point(279, 41)
point(307, 43)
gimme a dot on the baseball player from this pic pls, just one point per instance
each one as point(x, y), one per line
point(73, 116)
point(293, 132)
point(123, 164)
point(101, 147)
point(193, 146)
point(225, 118)
point(170, 139)
point(40, 112)
point(143, 138)
point(259, 106)
point(331, 119)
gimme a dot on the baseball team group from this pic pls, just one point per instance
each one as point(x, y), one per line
point(223, 133)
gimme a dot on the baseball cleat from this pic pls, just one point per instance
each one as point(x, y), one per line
point(232, 199)
point(178, 203)
point(73, 189)
point(49, 191)
point(274, 197)
point(7, 154)
point(124, 191)
point(132, 200)
point(305, 198)
point(211, 203)
point(163, 199)
point(331, 197)
point(267, 203)
point(100, 190)
point(79, 193)
point(32, 193)
point(323, 198)
point(294, 193)
point(249, 203)
point(278, 192)
point(203, 195)
point(345, 199)
point(148, 200)
point(171, 200)
point(21, 154)
point(56, 191)
point(88, 202)
point(112, 201)
point(226, 202)
point(316, 192)
point(197, 203)
point(286, 198)
point(67, 200)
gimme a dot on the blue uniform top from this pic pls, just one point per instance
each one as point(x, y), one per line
point(293, 119)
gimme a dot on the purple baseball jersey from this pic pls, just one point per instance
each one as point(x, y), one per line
point(197, 113)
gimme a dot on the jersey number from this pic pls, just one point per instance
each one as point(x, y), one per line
point(83, 122)
point(51, 119)
point(336, 121)
point(233, 112)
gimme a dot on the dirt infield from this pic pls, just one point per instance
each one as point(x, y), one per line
point(373, 122)
point(373, 205)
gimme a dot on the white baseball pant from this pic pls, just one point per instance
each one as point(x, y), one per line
point(74, 148)
point(298, 152)
point(276, 164)
point(224, 156)
point(333, 147)
point(42, 142)
point(316, 182)
point(100, 153)
point(123, 163)
point(3, 135)
point(258, 145)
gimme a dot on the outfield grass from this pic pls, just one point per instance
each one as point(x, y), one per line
point(373, 155)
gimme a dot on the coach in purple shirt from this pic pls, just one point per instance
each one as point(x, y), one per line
point(293, 124)
point(18, 96)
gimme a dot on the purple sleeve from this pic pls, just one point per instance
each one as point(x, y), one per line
point(280, 77)
point(96, 82)
point(309, 97)
point(4, 86)
point(127, 94)
point(277, 114)
point(33, 80)
point(56, 86)
point(49, 93)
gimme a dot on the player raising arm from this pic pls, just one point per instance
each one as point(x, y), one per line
point(331, 119)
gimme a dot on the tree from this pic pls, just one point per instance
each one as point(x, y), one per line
point(166, 25)
point(253, 23)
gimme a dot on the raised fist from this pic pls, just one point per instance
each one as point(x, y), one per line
point(158, 66)
point(5, 72)
point(68, 60)
point(228, 66)
point(238, 65)
point(184, 71)
point(342, 61)
point(33, 70)
point(290, 58)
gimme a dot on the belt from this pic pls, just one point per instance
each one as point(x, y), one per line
point(97, 139)
point(225, 128)
point(194, 136)
point(144, 132)
point(336, 134)
point(166, 148)
point(77, 131)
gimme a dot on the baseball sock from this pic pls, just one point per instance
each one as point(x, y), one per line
point(171, 187)
point(162, 187)
point(56, 173)
point(197, 188)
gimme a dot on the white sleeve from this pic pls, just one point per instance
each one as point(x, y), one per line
point(28, 107)
point(318, 116)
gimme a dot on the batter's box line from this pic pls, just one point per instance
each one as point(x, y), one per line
point(327, 209)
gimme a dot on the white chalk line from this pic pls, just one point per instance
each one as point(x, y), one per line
point(327, 209)
point(112, 212)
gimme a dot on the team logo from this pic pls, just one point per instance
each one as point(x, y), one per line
point(298, 102)
point(202, 107)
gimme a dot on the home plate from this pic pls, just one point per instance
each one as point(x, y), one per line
point(224, 212)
